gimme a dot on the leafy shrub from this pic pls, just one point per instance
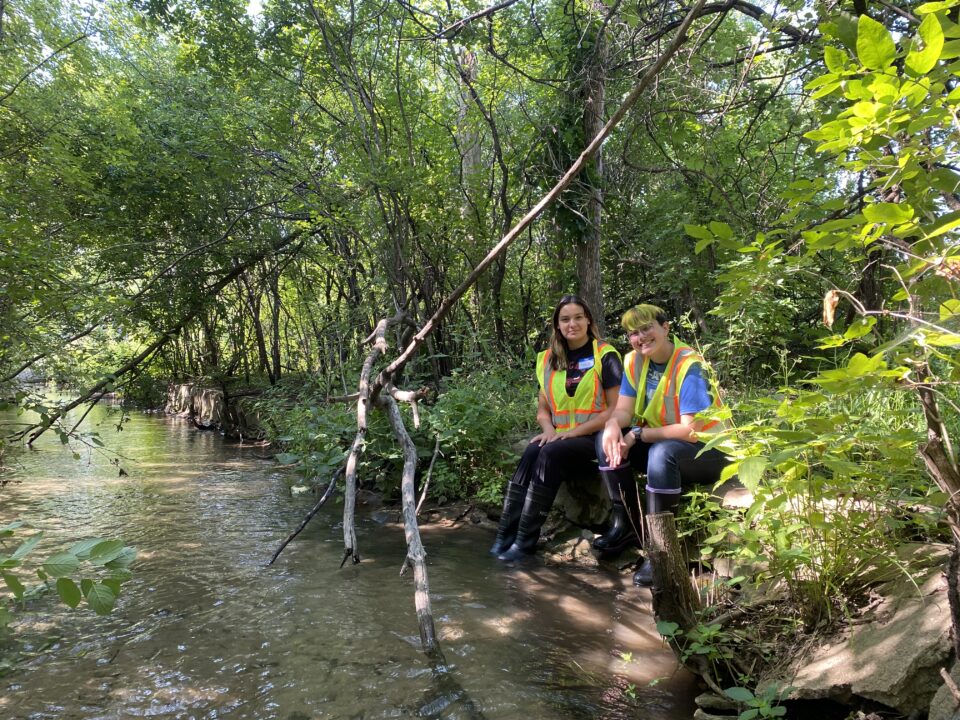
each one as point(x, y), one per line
point(836, 485)
point(476, 417)
point(90, 570)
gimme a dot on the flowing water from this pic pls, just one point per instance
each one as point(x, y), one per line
point(207, 630)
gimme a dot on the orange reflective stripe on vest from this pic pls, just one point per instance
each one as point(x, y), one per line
point(664, 406)
point(588, 399)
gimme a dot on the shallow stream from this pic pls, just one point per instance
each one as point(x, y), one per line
point(207, 630)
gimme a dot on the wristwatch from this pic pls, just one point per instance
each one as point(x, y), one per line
point(637, 433)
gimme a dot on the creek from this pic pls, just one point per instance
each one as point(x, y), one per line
point(207, 630)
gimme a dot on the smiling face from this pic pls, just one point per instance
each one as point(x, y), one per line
point(652, 340)
point(573, 324)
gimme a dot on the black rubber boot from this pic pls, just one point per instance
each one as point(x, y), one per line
point(535, 509)
point(657, 502)
point(624, 529)
point(513, 500)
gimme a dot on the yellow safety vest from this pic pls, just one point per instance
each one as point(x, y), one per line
point(588, 400)
point(664, 407)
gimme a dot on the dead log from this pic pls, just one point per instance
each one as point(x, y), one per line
point(416, 556)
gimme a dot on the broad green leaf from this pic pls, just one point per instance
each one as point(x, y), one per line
point(101, 598)
point(698, 231)
point(750, 471)
point(943, 224)
point(926, 46)
point(13, 582)
point(7, 530)
point(27, 547)
point(949, 308)
point(69, 592)
point(932, 7)
point(939, 339)
point(124, 559)
point(667, 629)
point(740, 694)
point(82, 549)
point(104, 552)
point(61, 564)
point(875, 47)
point(721, 230)
point(891, 213)
point(835, 58)
point(287, 458)
point(860, 327)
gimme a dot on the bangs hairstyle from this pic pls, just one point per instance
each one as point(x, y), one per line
point(558, 343)
point(641, 316)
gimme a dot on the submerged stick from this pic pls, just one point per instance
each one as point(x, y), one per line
point(327, 494)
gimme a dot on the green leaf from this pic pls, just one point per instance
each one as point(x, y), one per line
point(667, 629)
point(835, 58)
point(101, 598)
point(891, 213)
point(932, 7)
point(943, 224)
point(61, 564)
point(949, 308)
point(25, 549)
point(82, 549)
point(104, 552)
point(124, 559)
point(859, 327)
point(7, 530)
point(875, 47)
point(13, 582)
point(69, 592)
point(739, 694)
point(698, 231)
point(287, 458)
point(721, 230)
point(750, 471)
point(926, 46)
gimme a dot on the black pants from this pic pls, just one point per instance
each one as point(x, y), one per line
point(553, 463)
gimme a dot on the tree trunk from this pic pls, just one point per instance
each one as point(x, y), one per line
point(588, 248)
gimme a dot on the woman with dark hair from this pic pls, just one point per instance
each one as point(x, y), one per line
point(579, 380)
point(665, 399)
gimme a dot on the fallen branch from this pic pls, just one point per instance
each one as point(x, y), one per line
point(379, 339)
point(327, 494)
point(951, 686)
point(416, 555)
point(426, 482)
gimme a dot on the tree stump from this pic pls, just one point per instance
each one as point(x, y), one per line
point(674, 597)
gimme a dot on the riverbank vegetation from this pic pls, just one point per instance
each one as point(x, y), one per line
point(207, 190)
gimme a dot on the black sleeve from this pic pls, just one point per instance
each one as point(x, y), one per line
point(612, 371)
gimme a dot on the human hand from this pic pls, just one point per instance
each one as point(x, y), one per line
point(545, 437)
point(613, 444)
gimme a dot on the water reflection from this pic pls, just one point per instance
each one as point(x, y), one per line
point(206, 630)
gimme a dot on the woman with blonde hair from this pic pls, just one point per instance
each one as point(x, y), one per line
point(665, 400)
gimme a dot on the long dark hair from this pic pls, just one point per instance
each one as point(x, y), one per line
point(558, 343)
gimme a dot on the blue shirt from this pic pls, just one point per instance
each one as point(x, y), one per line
point(694, 392)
